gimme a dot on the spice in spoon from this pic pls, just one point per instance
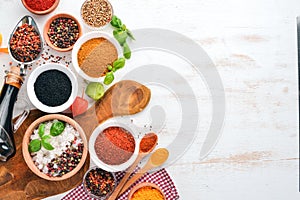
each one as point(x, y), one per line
point(25, 44)
point(148, 142)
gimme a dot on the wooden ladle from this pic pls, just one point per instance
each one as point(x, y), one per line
point(147, 144)
point(159, 157)
point(123, 98)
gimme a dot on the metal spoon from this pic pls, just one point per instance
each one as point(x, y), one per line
point(142, 153)
point(23, 65)
point(159, 157)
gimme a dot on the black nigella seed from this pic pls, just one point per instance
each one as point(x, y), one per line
point(53, 88)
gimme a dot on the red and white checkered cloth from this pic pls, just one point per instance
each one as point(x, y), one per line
point(160, 178)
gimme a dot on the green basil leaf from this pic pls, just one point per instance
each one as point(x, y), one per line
point(34, 145)
point(57, 128)
point(120, 36)
point(46, 138)
point(126, 51)
point(41, 130)
point(109, 67)
point(109, 78)
point(118, 64)
point(116, 22)
point(129, 33)
point(46, 144)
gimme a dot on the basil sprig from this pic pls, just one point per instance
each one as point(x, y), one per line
point(56, 129)
point(121, 33)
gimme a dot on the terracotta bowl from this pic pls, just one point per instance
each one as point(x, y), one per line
point(46, 28)
point(145, 184)
point(41, 12)
point(28, 158)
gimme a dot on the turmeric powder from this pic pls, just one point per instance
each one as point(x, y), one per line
point(147, 193)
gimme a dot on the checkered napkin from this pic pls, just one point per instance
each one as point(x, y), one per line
point(160, 178)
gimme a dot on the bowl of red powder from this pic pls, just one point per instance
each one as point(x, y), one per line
point(113, 147)
point(40, 7)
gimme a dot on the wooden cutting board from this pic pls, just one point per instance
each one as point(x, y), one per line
point(16, 179)
point(18, 182)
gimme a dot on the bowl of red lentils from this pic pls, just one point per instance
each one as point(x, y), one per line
point(113, 146)
point(62, 31)
point(40, 7)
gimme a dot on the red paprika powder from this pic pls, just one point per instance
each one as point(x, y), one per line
point(39, 5)
point(114, 145)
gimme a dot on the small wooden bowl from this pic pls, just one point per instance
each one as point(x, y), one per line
point(46, 28)
point(145, 184)
point(41, 12)
point(28, 158)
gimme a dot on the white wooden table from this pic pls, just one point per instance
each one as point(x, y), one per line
point(254, 47)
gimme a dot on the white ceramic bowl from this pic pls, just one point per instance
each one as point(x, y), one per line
point(98, 162)
point(84, 38)
point(30, 87)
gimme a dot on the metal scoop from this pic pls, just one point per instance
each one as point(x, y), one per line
point(23, 65)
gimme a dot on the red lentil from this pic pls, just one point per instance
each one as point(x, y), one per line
point(39, 5)
point(114, 145)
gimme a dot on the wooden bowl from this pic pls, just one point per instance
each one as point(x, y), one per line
point(28, 158)
point(46, 28)
point(41, 12)
point(145, 184)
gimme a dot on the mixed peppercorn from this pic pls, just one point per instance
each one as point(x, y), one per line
point(63, 32)
point(99, 182)
point(25, 44)
point(65, 162)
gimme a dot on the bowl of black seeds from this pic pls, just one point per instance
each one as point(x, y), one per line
point(52, 88)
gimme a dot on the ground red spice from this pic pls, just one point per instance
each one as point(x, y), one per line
point(148, 142)
point(39, 5)
point(114, 145)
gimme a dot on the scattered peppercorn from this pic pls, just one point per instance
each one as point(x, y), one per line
point(25, 44)
point(63, 32)
point(99, 182)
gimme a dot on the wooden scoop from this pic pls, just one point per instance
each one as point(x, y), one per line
point(142, 153)
point(159, 157)
point(124, 98)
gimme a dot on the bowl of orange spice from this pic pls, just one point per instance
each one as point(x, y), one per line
point(145, 191)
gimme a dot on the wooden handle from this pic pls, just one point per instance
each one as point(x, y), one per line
point(129, 171)
point(124, 98)
point(136, 177)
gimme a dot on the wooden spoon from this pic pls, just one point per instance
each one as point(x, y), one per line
point(123, 98)
point(158, 158)
point(142, 153)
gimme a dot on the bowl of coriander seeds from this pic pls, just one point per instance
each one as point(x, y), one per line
point(96, 14)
